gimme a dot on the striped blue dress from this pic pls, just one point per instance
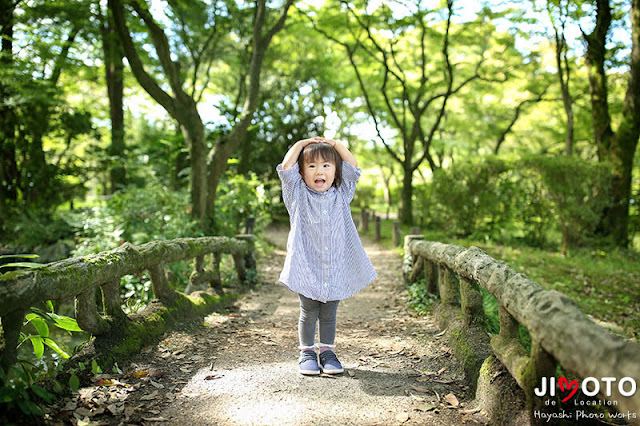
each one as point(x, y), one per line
point(325, 259)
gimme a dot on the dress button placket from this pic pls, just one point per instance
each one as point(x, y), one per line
point(325, 253)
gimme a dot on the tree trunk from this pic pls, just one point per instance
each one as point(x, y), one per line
point(616, 148)
point(180, 106)
point(193, 132)
point(406, 208)
point(563, 76)
point(8, 166)
point(595, 59)
point(114, 75)
point(224, 149)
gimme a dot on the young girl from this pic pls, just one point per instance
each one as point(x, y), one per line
point(325, 260)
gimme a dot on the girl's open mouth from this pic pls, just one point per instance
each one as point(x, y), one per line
point(320, 182)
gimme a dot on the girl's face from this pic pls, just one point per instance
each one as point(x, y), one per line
point(319, 174)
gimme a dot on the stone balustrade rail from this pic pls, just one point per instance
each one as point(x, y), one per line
point(81, 277)
point(560, 333)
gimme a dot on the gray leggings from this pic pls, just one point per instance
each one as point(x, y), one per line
point(312, 311)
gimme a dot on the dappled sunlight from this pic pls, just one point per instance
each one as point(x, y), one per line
point(274, 393)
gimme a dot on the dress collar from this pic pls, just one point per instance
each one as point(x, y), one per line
point(328, 191)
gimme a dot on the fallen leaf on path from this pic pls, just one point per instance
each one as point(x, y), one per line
point(106, 382)
point(214, 376)
point(154, 419)
point(444, 382)
point(470, 411)
point(156, 384)
point(451, 399)
point(116, 410)
point(442, 370)
point(153, 395)
point(83, 412)
point(140, 374)
point(234, 315)
point(402, 417)
point(425, 407)
point(419, 389)
point(441, 333)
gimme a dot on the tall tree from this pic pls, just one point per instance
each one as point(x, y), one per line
point(261, 39)
point(403, 83)
point(8, 164)
point(114, 76)
point(187, 84)
point(558, 12)
point(616, 147)
point(31, 95)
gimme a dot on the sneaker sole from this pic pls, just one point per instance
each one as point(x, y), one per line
point(309, 373)
point(333, 371)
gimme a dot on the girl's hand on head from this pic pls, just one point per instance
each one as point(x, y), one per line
point(329, 141)
point(309, 141)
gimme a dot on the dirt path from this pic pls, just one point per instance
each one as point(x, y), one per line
point(240, 368)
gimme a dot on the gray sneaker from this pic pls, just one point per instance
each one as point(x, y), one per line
point(330, 364)
point(308, 363)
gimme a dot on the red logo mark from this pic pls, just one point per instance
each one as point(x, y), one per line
point(566, 385)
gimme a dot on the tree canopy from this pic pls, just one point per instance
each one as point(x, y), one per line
point(97, 97)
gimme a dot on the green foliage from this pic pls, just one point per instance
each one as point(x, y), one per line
point(20, 264)
point(32, 228)
point(579, 191)
point(21, 391)
point(469, 196)
point(498, 198)
point(39, 321)
point(419, 299)
point(240, 197)
point(19, 388)
point(136, 215)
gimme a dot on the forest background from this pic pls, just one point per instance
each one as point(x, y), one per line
point(512, 126)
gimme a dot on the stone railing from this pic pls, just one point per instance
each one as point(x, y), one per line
point(560, 333)
point(81, 277)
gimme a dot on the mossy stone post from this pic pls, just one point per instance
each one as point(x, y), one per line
point(246, 260)
point(409, 257)
point(471, 302)
point(448, 287)
point(250, 226)
point(364, 220)
point(160, 284)
point(417, 270)
point(396, 237)
point(87, 315)
point(111, 299)
point(11, 325)
point(216, 281)
point(431, 276)
point(541, 365)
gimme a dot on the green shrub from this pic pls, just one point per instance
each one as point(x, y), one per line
point(240, 197)
point(136, 215)
point(578, 192)
point(526, 198)
point(466, 197)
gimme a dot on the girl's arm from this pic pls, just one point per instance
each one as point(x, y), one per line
point(344, 152)
point(294, 152)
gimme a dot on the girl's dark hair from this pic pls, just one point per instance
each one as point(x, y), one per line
point(325, 151)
